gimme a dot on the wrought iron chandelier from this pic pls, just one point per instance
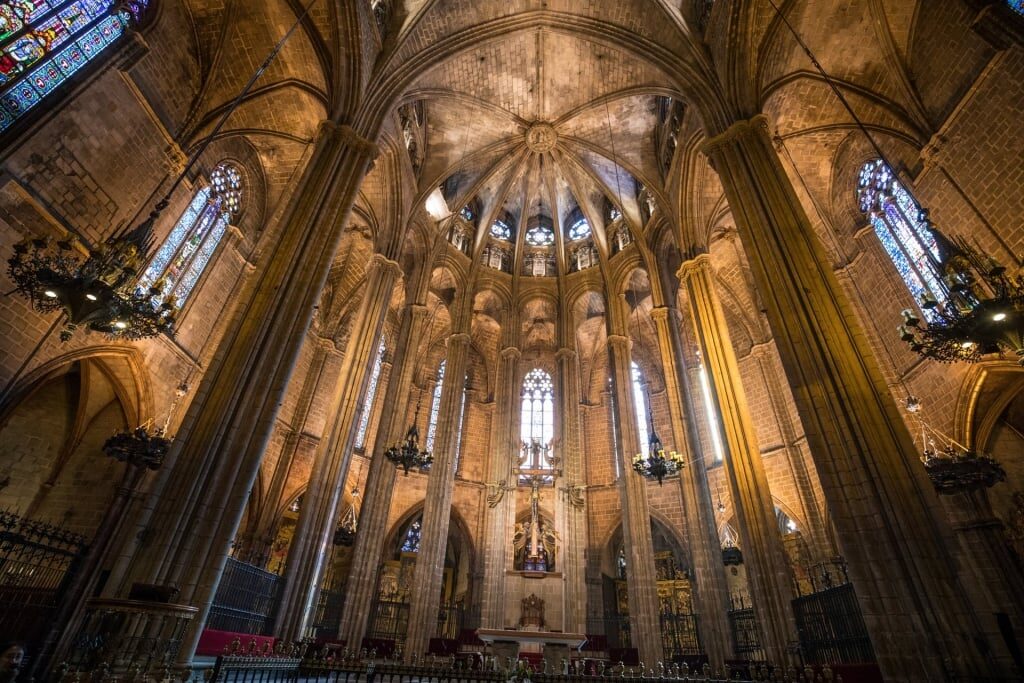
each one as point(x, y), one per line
point(345, 534)
point(983, 311)
point(407, 454)
point(99, 287)
point(138, 448)
point(952, 467)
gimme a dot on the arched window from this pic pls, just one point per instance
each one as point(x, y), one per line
point(43, 43)
point(711, 411)
point(538, 420)
point(371, 393)
point(640, 402)
point(579, 228)
point(896, 218)
point(540, 236)
point(435, 408)
point(501, 231)
point(411, 542)
point(186, 251)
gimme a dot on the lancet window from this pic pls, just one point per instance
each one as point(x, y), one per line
point(411, 541)
point(371, 394)
point(640, 403)
point(711, 412)
point(435, 408)
point(896, 217)
point(188, 249)
point(43, 43)
point(537, 427)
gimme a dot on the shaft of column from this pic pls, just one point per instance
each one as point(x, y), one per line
point(425, 600)
point(361, 586)
point(641, 574)
point(884, 508)
point(711, 597)
point(498, 517)
point(203, 495)
point(763, 553)
point(311, 546)
point(570, 491)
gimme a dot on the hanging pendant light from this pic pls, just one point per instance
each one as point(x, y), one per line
point(345, 534)
point(138, 447)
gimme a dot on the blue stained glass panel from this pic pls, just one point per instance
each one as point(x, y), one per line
point(46, 78)
point(71, 60)
point(23, 97)
point(177, 236)
point(371, 393)
point(412, 537)
point(1017, 6)
point(195, 269)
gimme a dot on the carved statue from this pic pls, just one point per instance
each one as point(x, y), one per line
point(519, 537)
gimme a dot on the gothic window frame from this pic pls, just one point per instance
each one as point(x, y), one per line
point(711, 416)
point(537, 400)
point(541, 235)
point(435, 407)
point(49, 50)
point(579, 227)
point(640, 407)
point(412, 536)
point(500, 230)
point(371, 394)
point(189, 248)
point(896, 218)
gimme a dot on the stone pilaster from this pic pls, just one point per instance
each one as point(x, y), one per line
point(380, 482)
point(884, 509)
point(499, 516)
point(570, 511)
point(641, 575)
point(429, 574)
point(711, 594)
point(311, 546)
point(205, 487)
point(763, 554)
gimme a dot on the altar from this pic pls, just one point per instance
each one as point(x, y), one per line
point(507, 643)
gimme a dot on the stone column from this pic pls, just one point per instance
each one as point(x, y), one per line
point(311, 546)
point(571, 508)
point(429, 574)
point(711, 594)
point(201, 497)
point(885, 512)
point(641, 576)
point(361, 587)
point(500, 513)
point(763, 554)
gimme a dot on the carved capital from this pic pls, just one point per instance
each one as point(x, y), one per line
point(346, 135)
point(698, 264)
point(417, 312)
point(459, 338)
point(660, 313)
point(565, 353)
point(511, 353)
point(619, 341)
point(386, 265)
point(932, 153)
point(730, 134)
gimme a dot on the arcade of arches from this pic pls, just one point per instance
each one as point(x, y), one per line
point(539, 231)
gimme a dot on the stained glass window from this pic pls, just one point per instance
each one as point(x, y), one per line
point(711, 411)
point(45, 42)
point(435, 408)
point(467, 214)
point(896, 218)
point(500, 230)
point(411, 544)
point(188, 249)
point(579, 229)
point(540, 236)
point(1017, 6)
point(371, 393)
point(640, 403)
point(538, 417)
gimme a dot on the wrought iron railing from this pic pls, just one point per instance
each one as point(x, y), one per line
point(37, 562)
point(680, 639)
point(828, 618)
point(389, 621)
point(245, 598)
point(327, 615)
point(450, 618)
point(746, 637)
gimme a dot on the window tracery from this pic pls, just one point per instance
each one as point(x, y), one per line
point(711, 411)
point(501, 231)
point(579, 228)
point(896, 217)
point(537, 426)
point(540, 236)
point(371, 394)
point(187, 251)
point(435, 408)
point(411, 541)
point(43, 43)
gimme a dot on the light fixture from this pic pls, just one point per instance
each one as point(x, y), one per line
point(982, 311)
point(139, 448)
point(952, 467)
point(407, 454)
point(345, 534)
point(98, 286)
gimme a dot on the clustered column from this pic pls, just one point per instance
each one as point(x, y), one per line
point(641, 575)
point(882, 505)
point(711, 597)
point(570, 510)
point(429, 573)
point(310, 547)
point(380, 482)
point(500, 513)
point(202, 494)
point(763, 554)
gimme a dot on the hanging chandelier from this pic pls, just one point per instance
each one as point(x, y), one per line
point(657, 464)
point(407, 454)
point(952, 467)
point(138, 448)
point(100, 287)
point(983, 312)
point(345, 534)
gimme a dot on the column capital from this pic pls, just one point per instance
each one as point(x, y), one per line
point(660, 313)
point(348, 136)
point(458, 339)
point(565, 353)
point(698, 264)
point(386, 266)
point(511, 353)
point(729, 135)
point(619, 341)
point(417, 311)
